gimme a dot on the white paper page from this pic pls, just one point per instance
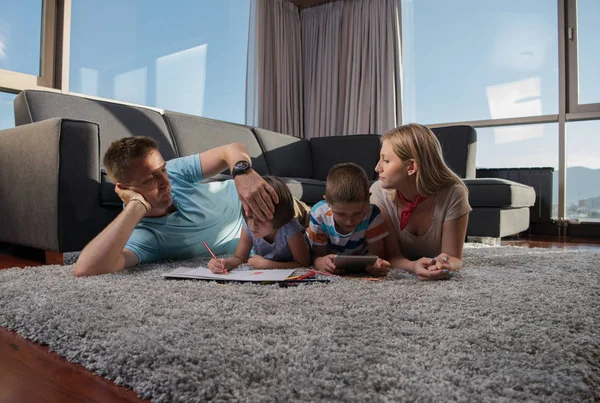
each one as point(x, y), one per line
point(242, 275)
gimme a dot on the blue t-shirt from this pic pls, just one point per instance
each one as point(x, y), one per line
point(205, 211)
point(279, 250)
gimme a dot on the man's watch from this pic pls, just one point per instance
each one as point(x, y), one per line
point(240, 167)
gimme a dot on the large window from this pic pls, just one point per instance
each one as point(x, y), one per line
point(588, 43)
point(187, 56)
point(522, 146)
point(7, 117)
point(583, 170)
point(21, 36)
point(477, 60)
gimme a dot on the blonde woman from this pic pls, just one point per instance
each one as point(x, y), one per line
point(424, 204)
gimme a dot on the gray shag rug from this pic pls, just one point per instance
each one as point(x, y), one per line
point(516, 324)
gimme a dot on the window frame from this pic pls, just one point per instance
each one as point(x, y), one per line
point(569, 108)
point(14, 82)
point(576, 110)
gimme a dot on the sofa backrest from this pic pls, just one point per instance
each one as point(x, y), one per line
point(362, 149)
point(194, 134)
point(287, 156)
point(459, 147)
point(114, 120)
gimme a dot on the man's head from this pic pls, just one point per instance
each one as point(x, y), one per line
point(347, 193)
point(135, 163)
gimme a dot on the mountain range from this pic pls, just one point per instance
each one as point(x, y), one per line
point(582, 183)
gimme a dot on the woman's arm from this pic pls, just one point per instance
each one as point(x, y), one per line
point(391, 248)
point(453, 241)
point(424, 267)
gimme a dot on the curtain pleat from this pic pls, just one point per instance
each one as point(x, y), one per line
point(274, 93)
point(352, 67)
point(331, 69)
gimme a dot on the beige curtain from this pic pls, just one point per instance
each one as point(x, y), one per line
point(273, 91)
point(351, 53)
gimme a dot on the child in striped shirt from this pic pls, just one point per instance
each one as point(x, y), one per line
point(345, 223)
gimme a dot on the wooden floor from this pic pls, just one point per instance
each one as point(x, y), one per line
point(31, 373)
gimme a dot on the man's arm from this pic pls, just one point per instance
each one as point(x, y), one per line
point(106, 253)
point(257, 197)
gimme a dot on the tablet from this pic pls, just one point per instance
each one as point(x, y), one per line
point(354, 264)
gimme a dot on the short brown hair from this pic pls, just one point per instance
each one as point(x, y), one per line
point(284, 210)
point(121, 152)
point(347, 183)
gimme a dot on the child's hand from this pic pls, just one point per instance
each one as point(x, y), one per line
point(325, 263)
point(218, 266)
point(380, 268)
point(259, 262)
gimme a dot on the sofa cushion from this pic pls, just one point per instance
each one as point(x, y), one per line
point(194, 134)
point(496, 222)
point(287, 156)
point(494, 192)
point(459, 146)
point(362, 149)
point(114, 120)
point(310, 191)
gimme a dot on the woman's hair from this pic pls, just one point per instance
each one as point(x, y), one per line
point(417, 142)
point(121, 152)
point(347, 183)
point(284, 210)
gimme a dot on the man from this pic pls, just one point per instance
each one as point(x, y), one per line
point(167, 212)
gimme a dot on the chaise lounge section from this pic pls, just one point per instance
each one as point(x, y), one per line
point(56, 196)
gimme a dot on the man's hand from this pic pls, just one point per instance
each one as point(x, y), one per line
point(325, 263)
point(257, 196)
point(380, 268)
point(128, 195)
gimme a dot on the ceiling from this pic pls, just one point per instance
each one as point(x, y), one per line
point(307, 3)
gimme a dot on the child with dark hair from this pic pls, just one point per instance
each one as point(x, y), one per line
point(277, 243)
point(345, 223)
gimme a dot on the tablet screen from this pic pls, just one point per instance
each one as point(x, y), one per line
point(354, 264)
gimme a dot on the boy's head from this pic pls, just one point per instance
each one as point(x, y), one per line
point(347, 183)
point(284, 210)
point(347, 194)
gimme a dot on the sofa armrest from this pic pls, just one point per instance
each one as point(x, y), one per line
point(49, 178)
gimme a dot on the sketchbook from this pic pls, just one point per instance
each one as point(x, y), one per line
point(203, 273)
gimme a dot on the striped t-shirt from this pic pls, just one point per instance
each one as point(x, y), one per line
point(322, 232)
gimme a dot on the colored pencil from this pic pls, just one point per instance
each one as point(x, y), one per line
point(214, 256)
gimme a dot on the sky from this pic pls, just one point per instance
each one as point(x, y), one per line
point(483, 59)
point(463, 60)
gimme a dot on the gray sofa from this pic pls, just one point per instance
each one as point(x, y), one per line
point(55, 195)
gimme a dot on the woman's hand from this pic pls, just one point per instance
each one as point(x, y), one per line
point(380, 269)
point(325, 263)
point(446, 262)
point(426, 269)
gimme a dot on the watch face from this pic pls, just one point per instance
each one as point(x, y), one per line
point(240, 167)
